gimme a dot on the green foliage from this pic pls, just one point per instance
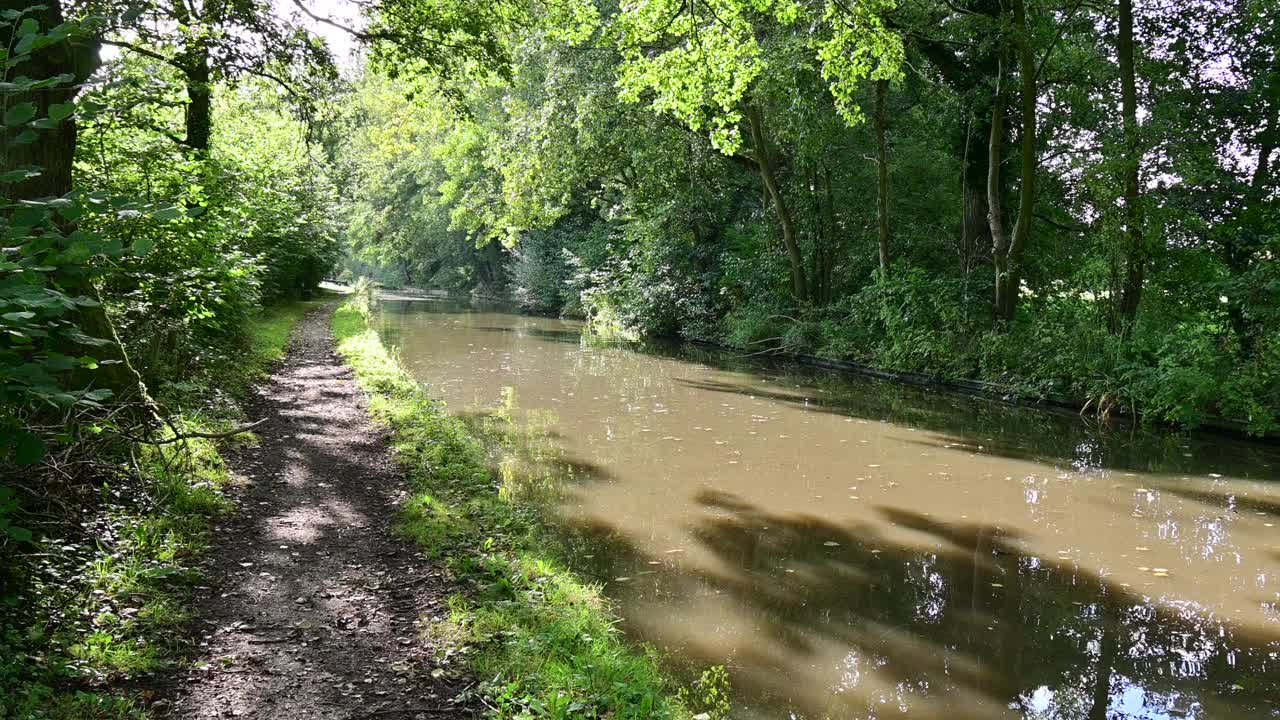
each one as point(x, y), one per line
point(709, 695)
point(43, 263)
point(621, 162)
point(545, 644)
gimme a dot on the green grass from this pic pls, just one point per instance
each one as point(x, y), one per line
point(116, 604)
point(543, 643)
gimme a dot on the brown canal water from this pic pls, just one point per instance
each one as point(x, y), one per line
point(852, 548)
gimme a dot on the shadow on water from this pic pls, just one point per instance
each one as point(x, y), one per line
point(1227, 500)
point(989, 427)
point(527, 457)
point(572, 337)
point(971, 617)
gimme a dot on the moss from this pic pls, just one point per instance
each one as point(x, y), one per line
point(543, 642)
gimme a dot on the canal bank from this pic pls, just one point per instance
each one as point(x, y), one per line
point(540, 641)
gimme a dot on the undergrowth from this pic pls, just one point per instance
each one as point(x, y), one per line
point(96, 584)
point(543, 643)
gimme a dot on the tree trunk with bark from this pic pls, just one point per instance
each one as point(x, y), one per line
point(882, 178)
point(53, 152)
point(1135, 270)
point(199, 113)
point(193, 61)
point(764, 162)
point(995, 211)
point(975, 231)
point(1242, 244)
point(1008, 249)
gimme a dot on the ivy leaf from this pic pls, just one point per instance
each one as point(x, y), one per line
point(168, 214)
point(75, 335)
point(20, 114)
point(142, 246)
point(61, 111)
point(17, 534)
point(29, 449)
point(19, 175)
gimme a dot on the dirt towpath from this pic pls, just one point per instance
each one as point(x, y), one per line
point(315, 607)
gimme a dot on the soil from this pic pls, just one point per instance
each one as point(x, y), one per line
point(316, 609)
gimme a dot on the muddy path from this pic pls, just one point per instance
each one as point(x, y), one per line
point(314, 608)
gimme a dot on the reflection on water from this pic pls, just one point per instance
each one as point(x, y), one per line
point(859, 549)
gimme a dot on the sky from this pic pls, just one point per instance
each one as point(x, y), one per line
point(344, 12)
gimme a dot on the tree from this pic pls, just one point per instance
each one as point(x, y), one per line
point(1008, 248)
point(212, 42)
point(882, 178)
point(48, 61)
point(1136, 266)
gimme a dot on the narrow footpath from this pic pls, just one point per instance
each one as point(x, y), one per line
point(315, 609)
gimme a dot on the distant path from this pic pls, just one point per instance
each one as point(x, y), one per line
point(314, 606)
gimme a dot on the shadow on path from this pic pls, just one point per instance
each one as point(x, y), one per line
point(316, 607)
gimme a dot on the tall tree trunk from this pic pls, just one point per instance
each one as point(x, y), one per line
point(975, 230)
point(882, 178)
point(53, 153)
point(1135, 270)
point(1266, 147)
point(799, 282)
point(54, 150)
point(971, 76)
point(1008, 249)
point(817, 289)
point(199, 113)
point(829, 248)
point(194, 61)
point(1242, 245)
point(995, 212)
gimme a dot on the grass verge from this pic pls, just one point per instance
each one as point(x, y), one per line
point(543, 643)
point(100, 592)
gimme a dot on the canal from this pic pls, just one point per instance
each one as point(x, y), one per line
point(854, 548)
